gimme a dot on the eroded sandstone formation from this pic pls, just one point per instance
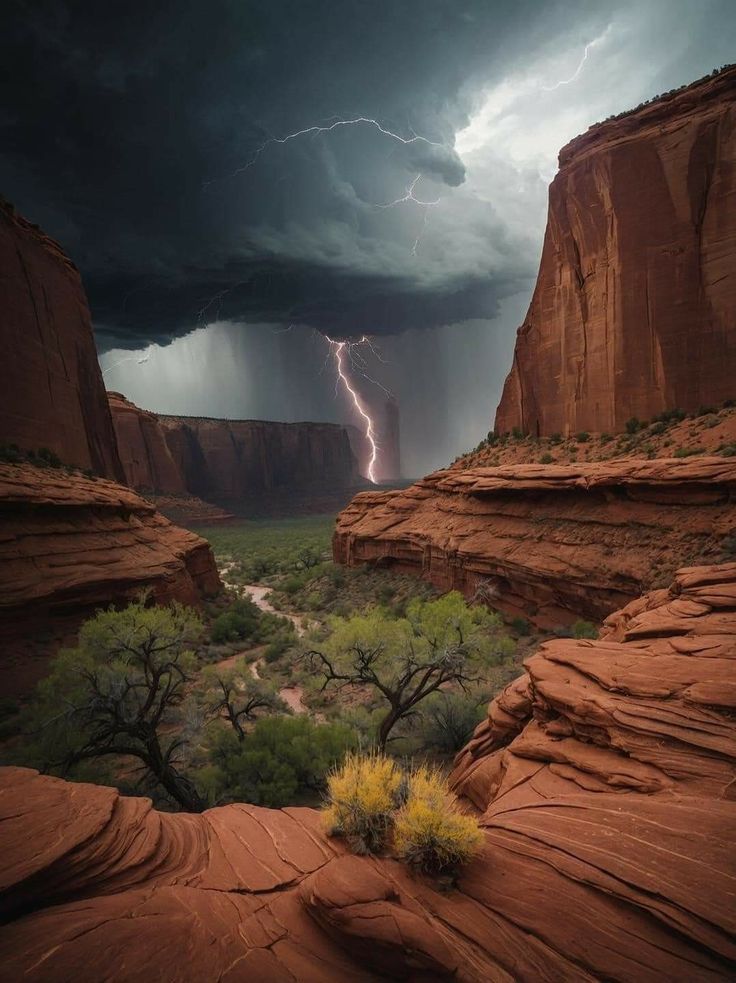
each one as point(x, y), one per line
point(143, 450)
point(52, 395)
point(551, 542)
point(604, 780)
point(70, 544)
point(231, 460)
point(634, 310)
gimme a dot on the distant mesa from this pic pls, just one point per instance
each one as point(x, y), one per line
point(240, 463)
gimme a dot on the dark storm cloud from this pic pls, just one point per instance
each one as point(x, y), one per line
point(127, 130)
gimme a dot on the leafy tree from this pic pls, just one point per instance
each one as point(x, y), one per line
point(280, 759)
point(117, 693)
point(405, 660)
point(451, 718)
point(238, 696)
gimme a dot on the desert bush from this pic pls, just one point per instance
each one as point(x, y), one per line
point(430, 831)
point(606, 438)
point(546, 459)
point(521, 626)
point(584, 629)
point(688, 451)
point(449, 720)
point(706, 410)
point(633, 424)
point(657, 428)
point(727, 450)
point(280, 761)
point(582, 437)
point(362, 796)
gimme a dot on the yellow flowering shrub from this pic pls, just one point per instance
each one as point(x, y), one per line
point(362, 796)
point(430, 831)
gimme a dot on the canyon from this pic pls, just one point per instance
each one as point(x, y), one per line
point(603, 781)
point(633, 309)
point(235, 462)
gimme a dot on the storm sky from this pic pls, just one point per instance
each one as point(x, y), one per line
point(149, 138)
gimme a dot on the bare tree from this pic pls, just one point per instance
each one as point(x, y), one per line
point(239, 699)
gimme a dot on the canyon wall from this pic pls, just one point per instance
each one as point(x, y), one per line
point(144, 453)
point(550, 542)
point(634, 310)
point(603, 781)
point(52, 394)
point(70, 545)
point(231, 460)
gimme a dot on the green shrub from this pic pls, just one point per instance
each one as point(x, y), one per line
point(449, 720)
point(606, 438)
point(706, 410)
point(555, 438)
point(688, 451)
point(582, 437)
point(728, 450)
point(517, 433)
point(657, 428)
point(546, 459)
point(280, 761)
point(10, 453)
point(278, 647)
point(239, 622)
point(584, 629)
point(633, 424)
point(521, 626)
point(48, 458)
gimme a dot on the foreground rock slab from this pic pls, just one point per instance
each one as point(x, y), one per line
point(604, 779)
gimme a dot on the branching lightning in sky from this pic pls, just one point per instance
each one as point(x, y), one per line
point(339, 349)
point(328, 128)
point(410, 196)
point(576, 74)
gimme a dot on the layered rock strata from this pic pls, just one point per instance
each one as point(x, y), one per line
point(52, 395)
point(603, 780)
point(634, 310)
point(553, 543)
point(144, 453)
point(231, 460)
point(70, 545)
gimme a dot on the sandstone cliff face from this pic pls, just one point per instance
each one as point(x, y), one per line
point(634, 311)
point(604, 782)
point(69, 545)
point(52, 393)
point(144, 453)
point(553, 543)
point(235, 459)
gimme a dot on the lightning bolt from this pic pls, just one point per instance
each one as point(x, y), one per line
point(357, 121)
point(338, 349)
point(128, 358)
point(576, 74)
point(426, 205)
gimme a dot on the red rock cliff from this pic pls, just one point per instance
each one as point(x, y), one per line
point(69, 545)
point(144, 453)
point(634, 310)
point(52, 394)
point(230, 460)
point(604, 781)
point(551, 542)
